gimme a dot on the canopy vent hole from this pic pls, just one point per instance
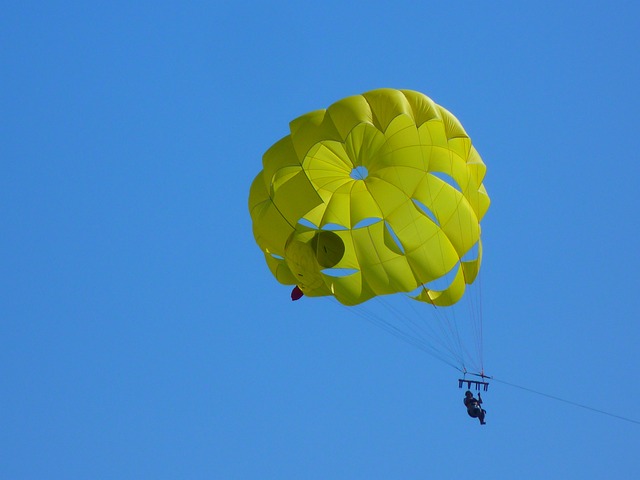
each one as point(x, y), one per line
point(359, 173)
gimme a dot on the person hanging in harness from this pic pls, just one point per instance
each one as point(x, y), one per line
point(473, 406)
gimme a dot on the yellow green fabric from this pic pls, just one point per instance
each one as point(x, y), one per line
point(378, 194)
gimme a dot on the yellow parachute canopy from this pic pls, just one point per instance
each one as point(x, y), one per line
point(378, 194)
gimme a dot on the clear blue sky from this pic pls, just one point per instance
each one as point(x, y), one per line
point(141, 334)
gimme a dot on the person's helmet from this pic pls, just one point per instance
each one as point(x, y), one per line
point(468, 393)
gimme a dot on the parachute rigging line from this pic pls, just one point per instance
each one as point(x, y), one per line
point(446, 357)
point(437, 335)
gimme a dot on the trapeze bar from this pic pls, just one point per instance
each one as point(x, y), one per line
point(478, 385)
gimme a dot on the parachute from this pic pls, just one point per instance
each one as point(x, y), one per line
point(379, 194)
